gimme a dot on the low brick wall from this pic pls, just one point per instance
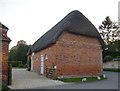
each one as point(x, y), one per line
point(111, 64)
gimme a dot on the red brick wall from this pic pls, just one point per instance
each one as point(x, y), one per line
point(82, 55)
point(5, 46)
point(50, 52)
point(0, 56)
point(74, 55)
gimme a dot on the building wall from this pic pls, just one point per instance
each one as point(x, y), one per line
point(5, 46)
point(74, 55)
point(82, 55)
point(0, 54)
point(50, 53)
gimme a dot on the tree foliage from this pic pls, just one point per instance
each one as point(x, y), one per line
point(21, 42)
point(12, 54)
point(19, 52)
point(113, 50)
point(109, 31)
point(114, 46)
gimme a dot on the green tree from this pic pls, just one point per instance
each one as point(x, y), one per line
point(109, 31)
point(21, 54)
point(113, 50)
point(114, 46)
point(21, 42)
point(18, 53)
point(12, 54)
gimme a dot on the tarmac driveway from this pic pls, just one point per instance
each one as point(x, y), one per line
point(22, 79)
point(112, 82)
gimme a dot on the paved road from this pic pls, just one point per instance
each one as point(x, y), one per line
point(23, 79)
point(110, 83)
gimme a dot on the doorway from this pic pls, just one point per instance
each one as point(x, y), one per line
point(42, 65)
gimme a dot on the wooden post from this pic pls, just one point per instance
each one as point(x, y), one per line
point(10, 74)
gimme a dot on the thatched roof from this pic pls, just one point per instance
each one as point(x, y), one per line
point(75, 22)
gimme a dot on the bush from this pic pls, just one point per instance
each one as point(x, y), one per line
point(111, 69)
point(117, 57)
point(20, 65)
point(4, 87)
point(111, 53)
point(108, 58)
point(17, 64)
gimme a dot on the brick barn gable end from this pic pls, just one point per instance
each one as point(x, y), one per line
point(78, 55)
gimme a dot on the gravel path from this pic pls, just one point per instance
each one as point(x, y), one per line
point(23, 79)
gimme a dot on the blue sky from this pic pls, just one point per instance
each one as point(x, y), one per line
point(29, 19)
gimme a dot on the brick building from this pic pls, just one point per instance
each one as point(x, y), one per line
point(4, 45)
point(73, 47)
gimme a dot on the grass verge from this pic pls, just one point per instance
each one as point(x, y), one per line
point(80, 79)
point(111, 69)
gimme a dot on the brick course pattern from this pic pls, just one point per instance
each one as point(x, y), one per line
point(73, 55)
point(5, 40)
point(5, 61)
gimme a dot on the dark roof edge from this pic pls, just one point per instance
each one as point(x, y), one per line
point(3, 26)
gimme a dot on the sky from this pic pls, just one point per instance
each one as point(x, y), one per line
point(29, 19)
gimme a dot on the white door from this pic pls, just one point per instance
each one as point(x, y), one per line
point(42, 65)
point(32, 59)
